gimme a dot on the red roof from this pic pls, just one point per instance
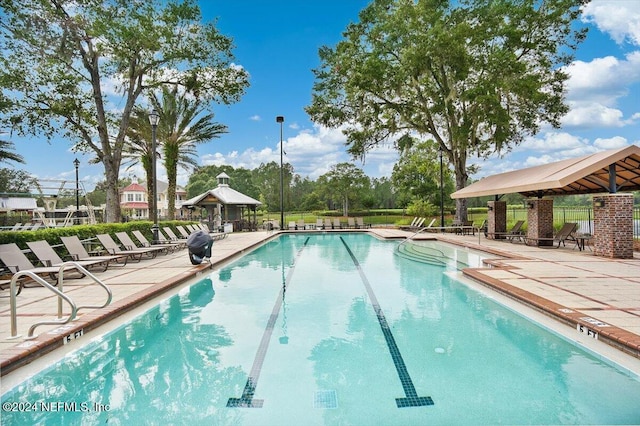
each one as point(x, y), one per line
point(134, 187)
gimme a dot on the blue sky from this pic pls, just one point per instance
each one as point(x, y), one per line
point(277, 43)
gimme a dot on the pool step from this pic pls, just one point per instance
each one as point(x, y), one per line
point(418, 253)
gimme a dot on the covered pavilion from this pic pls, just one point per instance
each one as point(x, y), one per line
point(227, 208)
point(609, 175)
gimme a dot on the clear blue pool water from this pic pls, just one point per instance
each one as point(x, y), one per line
point(330, 329)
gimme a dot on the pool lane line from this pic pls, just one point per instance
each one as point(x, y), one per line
point(246, 400)
point(411, 398)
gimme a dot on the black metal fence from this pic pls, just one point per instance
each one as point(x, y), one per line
point(583, 216)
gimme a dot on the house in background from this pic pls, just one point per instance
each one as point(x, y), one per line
point(134, 201)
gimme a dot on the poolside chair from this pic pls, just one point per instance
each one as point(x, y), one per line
point(162, 242)
point(111, 247)
point(16, 227)
point(327, 223)
point(191, 228)
point(514, 234)
point(15, 260)
point(351, 222)
point(319, 224)
point(292, 224)
point(336, 223)
point(183, 232)
point(361, 225)
point(564, 234)
point(430, 225)
point(129, 244)
point(172, 236)
point(77, 252)
point(48, 256)
point(300, 225)
point(6, 284)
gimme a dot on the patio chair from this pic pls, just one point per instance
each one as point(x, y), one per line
point(15, 260)
point(215, 235)
point(292, 225)
point(564, 234)
point(129, 244)
point(327, 223)
point(336, 223)
point(48, 256)
point(514, 234)
point(430, 225)
point(360, 223)
point(319, 224)
point(183, 232)
point(172, 236)
point(162, 242)
point(16, 227)
point(300, 225)
point(351, 222)
point(77, 252)
point(6, 284)
point(111, 247)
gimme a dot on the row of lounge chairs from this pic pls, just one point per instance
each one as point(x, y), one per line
point(112, 252)
point(326, 223)
point(566, 233)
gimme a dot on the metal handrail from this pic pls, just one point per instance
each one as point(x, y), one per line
point(85, 272)
point(61, 296)
point(411, 236)
point(42, 282)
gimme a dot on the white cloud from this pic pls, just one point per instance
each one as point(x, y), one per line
point(620, 19)
point(603, 79)
point(311, 152)
point(255, 118)
point(610, 143)
point(591, 115)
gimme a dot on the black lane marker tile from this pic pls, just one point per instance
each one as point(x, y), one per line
point(246, 400)
point(411, 398)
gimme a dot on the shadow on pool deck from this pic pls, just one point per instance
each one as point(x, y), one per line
point(600, 295)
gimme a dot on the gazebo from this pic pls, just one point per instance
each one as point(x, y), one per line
point(227, 208)
point(605, 174)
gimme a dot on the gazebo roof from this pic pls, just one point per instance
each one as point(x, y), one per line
point(583, 175)
point(223, 194)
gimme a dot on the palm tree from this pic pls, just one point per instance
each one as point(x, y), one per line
point(182, 127)
point(138, 147)
point(7, 154)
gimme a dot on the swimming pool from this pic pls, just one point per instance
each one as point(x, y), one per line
point(329, 329)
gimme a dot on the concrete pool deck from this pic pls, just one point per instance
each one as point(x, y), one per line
point(591, 294)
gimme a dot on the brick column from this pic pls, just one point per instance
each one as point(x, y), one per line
point(496, 217)
point(540, 220)
point(613, 225)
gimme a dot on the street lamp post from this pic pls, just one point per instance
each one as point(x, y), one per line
point(77, 164)
point(280, 119)
point(154, 119)
point(441, 191)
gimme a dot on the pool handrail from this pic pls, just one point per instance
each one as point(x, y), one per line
point(58, 291)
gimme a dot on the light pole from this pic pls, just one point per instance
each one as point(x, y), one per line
point(280, 119)
point(77, 164)
point(441, 192)
point(154, 119)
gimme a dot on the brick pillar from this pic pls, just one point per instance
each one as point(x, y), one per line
point(540, 220)
point(497, 217)
point(613, 225)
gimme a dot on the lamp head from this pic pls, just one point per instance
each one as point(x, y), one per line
point(280, 119)
point(154, 118)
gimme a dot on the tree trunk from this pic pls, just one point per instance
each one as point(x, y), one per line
point(461, 181)
point(112, 208)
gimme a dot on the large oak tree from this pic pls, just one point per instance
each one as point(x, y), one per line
point(477, 76)
point(76, 68)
